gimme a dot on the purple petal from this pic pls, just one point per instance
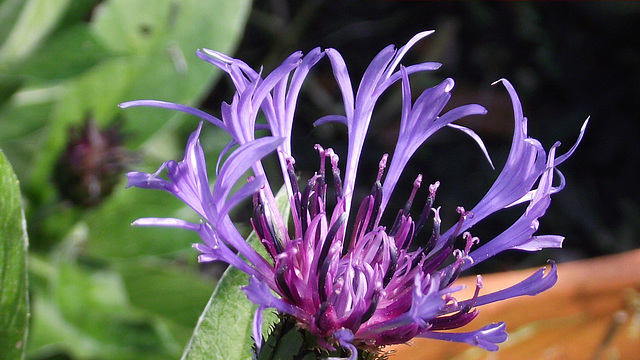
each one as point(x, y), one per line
point(214, 249)
point(345, 338)
point(331, 118)
point(257, 328)
point(373, 76)
point(389, 77)
point(173, 106)
point(531, 286)
point(524, 165)
point(282, 71)
point(516, 236)
point(245, 191)
point(239, 72)
point(419, 122)
point(224, 61)
point(188, 179)
point(148, 181)
point(520, 234)
point(424, 307)
point(260, 294)
point(344, 81)
point(564, 157)
point(238, 163)
point(403, 50)
point(297, 80)
point(223, 153)
point(411, 69)
point(476, 138)
point(486, 337)
point(167, 222)
point(541, 242)
point(280, 109)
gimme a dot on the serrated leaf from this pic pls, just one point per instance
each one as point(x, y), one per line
point(13, 266)
point(224, 330)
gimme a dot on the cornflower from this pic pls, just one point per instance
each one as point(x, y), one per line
point(340, 275)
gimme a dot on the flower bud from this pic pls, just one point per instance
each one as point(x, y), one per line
point(91, 164)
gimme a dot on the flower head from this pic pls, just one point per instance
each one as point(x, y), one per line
point(338, 272)
point(92, 163)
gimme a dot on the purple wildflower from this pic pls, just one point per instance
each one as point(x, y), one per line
point(367, 288)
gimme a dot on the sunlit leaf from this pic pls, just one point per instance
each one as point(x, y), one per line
point(224, 330)
point(13, 263)
point(9, 14)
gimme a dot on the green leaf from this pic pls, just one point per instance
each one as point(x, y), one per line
point(13, 266)
point(166, 289)
point(284, 343)
point(82, 309)
point(9, 85)
point(224, 330)
point(20, 137)
point(112, 236)
point(9, 13)
point(37, 19)
point(70, 53)
point(78, 11)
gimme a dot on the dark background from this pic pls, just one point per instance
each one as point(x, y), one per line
point(567, 60)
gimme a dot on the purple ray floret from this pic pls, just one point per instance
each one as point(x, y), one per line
point(367, 287)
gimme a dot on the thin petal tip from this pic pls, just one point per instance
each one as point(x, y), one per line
point(501, 80)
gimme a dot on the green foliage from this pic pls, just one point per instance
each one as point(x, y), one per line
point(126, 310)
point(224, 330)
point(85, 313)
point(46, 62)
point(287, 342)
point(101, 289)
point(13, 266)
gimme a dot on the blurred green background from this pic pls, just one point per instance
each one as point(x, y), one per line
point(101, 289)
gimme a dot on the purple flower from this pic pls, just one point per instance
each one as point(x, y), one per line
point(367, 287)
